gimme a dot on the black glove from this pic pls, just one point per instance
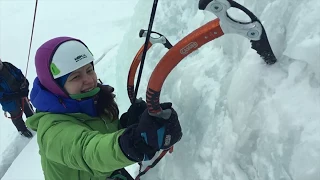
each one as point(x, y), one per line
point(133, 114)
point(141, 141)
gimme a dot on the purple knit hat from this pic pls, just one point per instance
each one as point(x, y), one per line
point(43, 61)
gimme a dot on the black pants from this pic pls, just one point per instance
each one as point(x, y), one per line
point(17, 114)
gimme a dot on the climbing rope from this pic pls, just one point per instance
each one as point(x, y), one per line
point(31, 38)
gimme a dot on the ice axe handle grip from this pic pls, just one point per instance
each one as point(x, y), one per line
point(154, 107)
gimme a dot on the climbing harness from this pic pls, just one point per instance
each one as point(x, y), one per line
point(23, 100)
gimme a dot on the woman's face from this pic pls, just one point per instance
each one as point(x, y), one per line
point(81, 80)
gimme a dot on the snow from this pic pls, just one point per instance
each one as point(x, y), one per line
point(241, 119)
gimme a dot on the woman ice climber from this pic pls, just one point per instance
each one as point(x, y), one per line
point(78, 130)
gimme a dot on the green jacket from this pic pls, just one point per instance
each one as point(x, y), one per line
point(78, 147)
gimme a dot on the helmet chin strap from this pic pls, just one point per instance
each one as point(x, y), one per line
point(86, 94)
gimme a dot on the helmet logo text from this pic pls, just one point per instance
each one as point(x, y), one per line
point(80, 57)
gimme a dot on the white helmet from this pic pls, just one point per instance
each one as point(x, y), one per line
point(75, 53)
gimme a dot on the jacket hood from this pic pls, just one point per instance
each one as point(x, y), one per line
point(45, 101)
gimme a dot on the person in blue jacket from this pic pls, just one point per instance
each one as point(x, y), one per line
point(14, 90)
